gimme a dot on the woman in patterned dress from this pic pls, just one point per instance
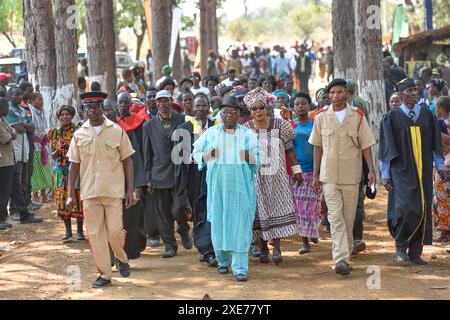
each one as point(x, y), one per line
point(275, 209)
point(306, 201)
point(41, 179)
point(60, 140)
point(441, 201)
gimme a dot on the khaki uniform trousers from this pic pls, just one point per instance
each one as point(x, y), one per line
point(342, 200)
point(103, 217)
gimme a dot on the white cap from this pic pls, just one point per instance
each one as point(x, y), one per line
point(163, 94)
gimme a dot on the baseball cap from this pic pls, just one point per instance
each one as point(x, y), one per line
point(163, 94)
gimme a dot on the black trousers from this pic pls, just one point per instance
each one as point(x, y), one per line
point(151, 227)
point(12, 188)
point(414, 246)
point(30, 163)
point(6, 178)
point(170, 207)
point(358, 227)
point(136, 239)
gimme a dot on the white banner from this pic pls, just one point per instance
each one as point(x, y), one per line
point(176, 22)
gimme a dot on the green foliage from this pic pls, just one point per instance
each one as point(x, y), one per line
point(11, 18)
point(299, 18)
point(415, 14)
point(238, 29)
point(130, 14)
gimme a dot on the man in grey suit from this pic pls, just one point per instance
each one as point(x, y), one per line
point(160, 172)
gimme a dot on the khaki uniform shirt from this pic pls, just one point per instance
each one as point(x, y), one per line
point(100, 157)
point(6, 149)
point(342, 144)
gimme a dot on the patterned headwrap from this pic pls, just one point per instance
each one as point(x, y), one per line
point(257, 94)
point(280, 91)
point(320, 93)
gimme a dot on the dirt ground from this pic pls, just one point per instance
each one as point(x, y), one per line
point(36, 264)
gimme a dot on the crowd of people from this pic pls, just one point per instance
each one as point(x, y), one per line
point(244, 153)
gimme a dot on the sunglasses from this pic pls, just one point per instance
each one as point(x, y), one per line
point(254, 109)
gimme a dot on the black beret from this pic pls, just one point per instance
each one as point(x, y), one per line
point(406, 84)
point(230, 101)
point(336, 82)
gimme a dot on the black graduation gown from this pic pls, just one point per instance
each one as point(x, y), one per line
point(407, 217)
point(191, 183)
point(136, 239)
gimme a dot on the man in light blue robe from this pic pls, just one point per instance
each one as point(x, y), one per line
point(230, 152)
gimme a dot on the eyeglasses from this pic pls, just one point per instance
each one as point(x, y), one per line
point(254, 109)
point(230, 112)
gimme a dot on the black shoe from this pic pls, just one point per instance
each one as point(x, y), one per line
point(186, 241)
point(223, 270)
point(241, 277)
point(304, 249)
point(31, 219)
point(154, 243)
point(5, 225)
point(264, 257)
point(123, 268)
point(276, 257)
point(212, 261)
point(100, 283)
point(358, 246)
point(67, 236)
point(418, 261)
point(80, 235)
point(169, 252)
point(255, 251)
point(203, 258)
point(343, 268)
point(34, 206)
point(314, 240)
point(401, 258)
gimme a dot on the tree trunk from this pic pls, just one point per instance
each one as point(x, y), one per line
point(204, 46)
point(46, 55)
point(66, 56)
point(208, 32)
point(140, 38)
point(369, 61)
point(109, 44)
point(343, 16)
point(161, 32)
point(95, 46)
point(30, 35)
point(177, 62)
point(213, 38)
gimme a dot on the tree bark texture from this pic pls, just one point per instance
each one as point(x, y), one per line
point(208, 32)
point(30, 42)
point(66, 56)
point(177, 63)
point(343, 16)
point(95, 45)
point(42, 13)
point(161, 34)
point(109, 44)
point(369, 63)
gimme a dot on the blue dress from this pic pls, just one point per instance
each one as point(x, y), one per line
point(231, 202)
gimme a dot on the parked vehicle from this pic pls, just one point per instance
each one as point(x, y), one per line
point(123, 61)
point(11, 66)
point(20, 53)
